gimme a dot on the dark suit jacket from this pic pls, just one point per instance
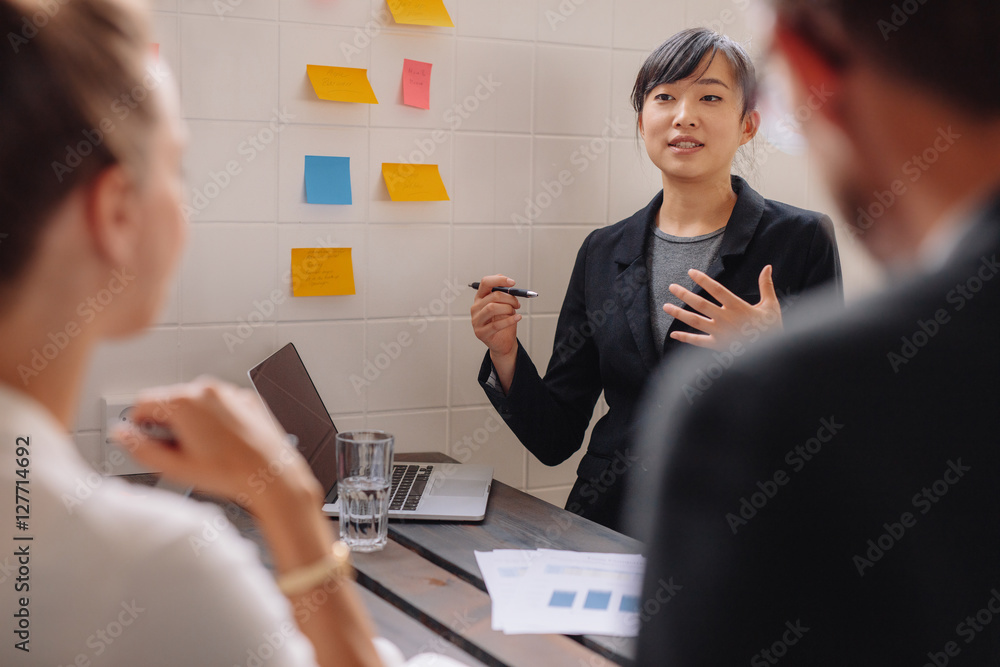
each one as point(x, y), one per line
point(604, 337)
point(835, 495)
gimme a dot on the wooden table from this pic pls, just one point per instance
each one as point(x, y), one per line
point(425, 592)
point(428, 571)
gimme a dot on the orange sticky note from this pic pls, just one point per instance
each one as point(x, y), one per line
point(322, 272)
point(414, 182)
point(416, 84)
point(341, 84)
point(420, 12)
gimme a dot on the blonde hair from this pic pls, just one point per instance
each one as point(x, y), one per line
point(76, 99)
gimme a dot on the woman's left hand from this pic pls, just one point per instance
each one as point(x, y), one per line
point(732, 320)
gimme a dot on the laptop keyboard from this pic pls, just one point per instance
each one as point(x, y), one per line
point(407, 487)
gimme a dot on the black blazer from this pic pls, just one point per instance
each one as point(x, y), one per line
point(604, 336)
point(848, 513)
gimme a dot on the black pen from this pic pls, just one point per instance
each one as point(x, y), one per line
point(513, 291)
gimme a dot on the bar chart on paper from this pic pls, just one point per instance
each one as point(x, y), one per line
point(563, 591)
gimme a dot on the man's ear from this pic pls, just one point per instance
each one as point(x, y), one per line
point(113, 215)
point(820, 81)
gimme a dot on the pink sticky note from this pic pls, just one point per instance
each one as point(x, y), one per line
point(417, 84)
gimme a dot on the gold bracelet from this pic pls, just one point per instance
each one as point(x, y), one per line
point(335, 565)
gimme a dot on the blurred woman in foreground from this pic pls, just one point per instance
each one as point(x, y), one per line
point(90, 231)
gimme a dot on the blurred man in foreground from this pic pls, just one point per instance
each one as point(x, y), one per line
point(830, 498)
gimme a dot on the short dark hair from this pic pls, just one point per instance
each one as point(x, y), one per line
point(679, 57)
point(951, 47)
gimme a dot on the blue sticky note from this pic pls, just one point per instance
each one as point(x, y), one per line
point(328, 179)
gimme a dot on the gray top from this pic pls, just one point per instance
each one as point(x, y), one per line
point(669, 258)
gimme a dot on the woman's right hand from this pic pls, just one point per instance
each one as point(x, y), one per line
point(494, 320)
point(225, 439)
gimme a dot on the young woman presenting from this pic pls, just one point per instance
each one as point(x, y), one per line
point(708, 262)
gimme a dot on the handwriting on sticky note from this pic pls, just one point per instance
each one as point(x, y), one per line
point(414, 182)
point(420, 12)
point(416, 84)
point(328, 179)
point(341, 84)
point(322, 272)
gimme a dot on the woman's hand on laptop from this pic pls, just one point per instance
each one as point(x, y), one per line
point(225, 443)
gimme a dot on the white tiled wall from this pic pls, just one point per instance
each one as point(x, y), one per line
point(522, 91)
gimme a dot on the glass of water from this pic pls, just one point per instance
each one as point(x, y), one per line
point(364, 470)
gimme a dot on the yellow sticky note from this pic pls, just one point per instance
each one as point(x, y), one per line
point(322, 272)
point(414, 182)
point(420, 12)
point(341, 84)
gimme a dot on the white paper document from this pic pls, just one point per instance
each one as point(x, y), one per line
point(564, 592)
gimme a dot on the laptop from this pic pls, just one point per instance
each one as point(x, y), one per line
point(420, 490)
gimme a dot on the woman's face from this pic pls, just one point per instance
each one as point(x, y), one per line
point(693, 127)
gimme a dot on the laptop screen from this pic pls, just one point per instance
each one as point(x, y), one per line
point(283, 382)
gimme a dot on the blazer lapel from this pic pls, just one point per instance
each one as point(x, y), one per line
point(632, 281)
point(740, 229)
